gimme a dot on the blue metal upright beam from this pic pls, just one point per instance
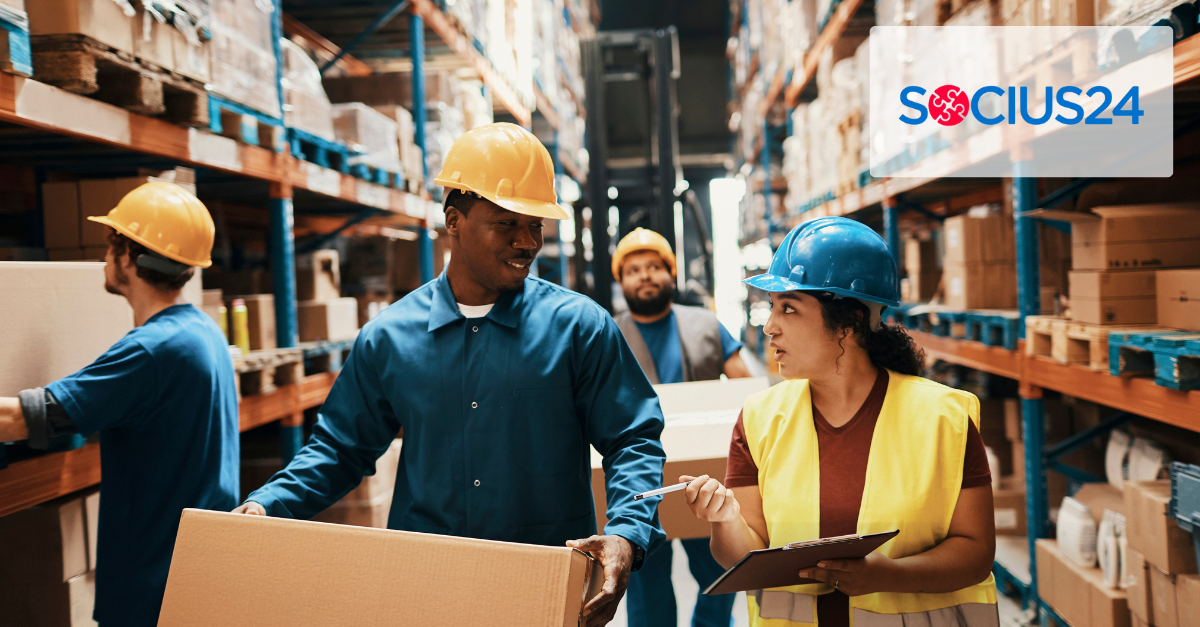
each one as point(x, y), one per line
point(766, 166)
point(417, 52)
point(1028, 282)
point(891, 229)
point(283, 278)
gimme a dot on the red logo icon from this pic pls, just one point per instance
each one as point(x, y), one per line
point(948, 105)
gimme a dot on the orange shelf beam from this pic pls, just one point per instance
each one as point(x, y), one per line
point(975, 355)
point(832, 32)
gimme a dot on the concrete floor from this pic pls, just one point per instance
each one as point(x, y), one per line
point(686, 590)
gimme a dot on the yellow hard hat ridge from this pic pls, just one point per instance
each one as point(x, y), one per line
point(166, 219)
point(507, 165)
point(642, 239)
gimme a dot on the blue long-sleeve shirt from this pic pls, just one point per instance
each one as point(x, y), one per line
point(498, 414)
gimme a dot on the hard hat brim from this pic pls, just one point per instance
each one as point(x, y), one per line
point(535, 208)
point(776, 284)
point(135, 237)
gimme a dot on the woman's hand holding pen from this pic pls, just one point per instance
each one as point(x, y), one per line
point(710, 500)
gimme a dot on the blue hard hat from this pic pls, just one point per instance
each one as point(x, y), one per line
point(835, 255)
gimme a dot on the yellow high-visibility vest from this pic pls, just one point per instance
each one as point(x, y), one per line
point(914, 476)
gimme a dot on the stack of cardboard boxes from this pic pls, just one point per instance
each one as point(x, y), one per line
point(979, 263)
point(47, 576)
point(1164, 589)
point(322, 313)
point(1135, 265)
point(66, 205)
point(924, 274)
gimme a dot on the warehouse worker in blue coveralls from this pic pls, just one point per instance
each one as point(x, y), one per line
point(501, 381)
point(673, 343)
point(163, 399)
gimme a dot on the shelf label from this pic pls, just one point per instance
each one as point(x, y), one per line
point(323, 180)
point(973, 101)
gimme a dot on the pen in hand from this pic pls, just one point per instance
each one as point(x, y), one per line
point(660, 491)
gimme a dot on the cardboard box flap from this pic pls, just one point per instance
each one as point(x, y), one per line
point(231, 569)
point(1134, 211)
point(1061, 215)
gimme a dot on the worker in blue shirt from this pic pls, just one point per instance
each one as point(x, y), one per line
point(163, 399)
point(500, 382)
point(673, 343)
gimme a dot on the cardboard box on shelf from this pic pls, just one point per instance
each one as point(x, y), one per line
point(1113, 297)
point(318, 276)
point(260, 316)
point(1100, 497)
point(371, 304)
point(335, 319)
point(976, 286)
point(60, 214)
point(45, 544)
point(61, 309)
point(699, 418)
point(392, 88)
point(1138, 591)
point(1133, 237)
point(1178, 301)
point(212, 298)
point(406, 271)
point(224, 565)
point(62, 604)
point(1150, 530)
point(1162, 595)
point(1078, 594)
point(102, 20)
point(970, 240)
point(98, 196)
point(240, 282)
point(1187, 599)
point(920, 256)
point(922, 286)
point(1009, 504)
point(1013, 429)
point(243, 61)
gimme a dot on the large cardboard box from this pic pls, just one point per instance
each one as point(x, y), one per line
point(102, 20)
point(1152, 532)
point(1078, 594)
point(227, 567)
point(392, 88)
point(333, 320)
point(700, 416)
point(1178, 301)
point(920, 256)
point(1187, 599)
point(318, 276)
point(1138, 590)
point(978, 286)
point(922, 286)
point(59, 319)
point(63, 604)
point(1113, 297)
point(970, 240)
point(45, 543)
point(1133, 237)
point(98, 196)
point(60, 214)
point(1009, 504)
point(1162, 595)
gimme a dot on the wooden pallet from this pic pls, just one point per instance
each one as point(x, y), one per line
point(326, 356)
point(1171, 357)
point(261, 372)
point(313, 149)
point(1039, 335)
point(1067, 341)
point(80, 64)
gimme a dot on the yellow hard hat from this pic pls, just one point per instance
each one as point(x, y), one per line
point(168, 220)
point(642, 239)
point(507, 165)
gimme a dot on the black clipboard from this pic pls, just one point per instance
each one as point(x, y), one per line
point(780, 566)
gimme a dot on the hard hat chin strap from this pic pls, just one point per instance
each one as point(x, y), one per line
point(158, 263)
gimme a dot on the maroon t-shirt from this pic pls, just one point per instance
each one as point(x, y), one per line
point(844, 451)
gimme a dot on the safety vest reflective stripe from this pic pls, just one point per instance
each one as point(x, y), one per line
point(800, 608)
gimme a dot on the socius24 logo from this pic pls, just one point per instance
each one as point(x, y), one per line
point(949, 105)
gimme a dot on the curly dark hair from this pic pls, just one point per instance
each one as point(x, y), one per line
point(890, 347)
point(120, 245)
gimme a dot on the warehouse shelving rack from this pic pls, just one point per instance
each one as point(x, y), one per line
point(892, 197)
point(55, 125)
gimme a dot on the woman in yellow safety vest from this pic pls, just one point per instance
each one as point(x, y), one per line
point(855, 442)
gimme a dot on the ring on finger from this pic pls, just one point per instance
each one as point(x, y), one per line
point(835, 584)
